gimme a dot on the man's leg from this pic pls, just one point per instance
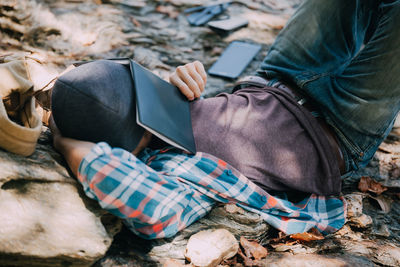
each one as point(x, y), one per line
point(363, 101)
point(321, 37)
point(320, 50)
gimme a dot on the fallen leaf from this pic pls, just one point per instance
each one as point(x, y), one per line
point(368, 184)
point(312, 235)
point(287, 243)
point(229, 262)
point(384, 203)
point(168, 10)
point(247, 261)
point(136, 22)
point(253, 249)
point(363, 184)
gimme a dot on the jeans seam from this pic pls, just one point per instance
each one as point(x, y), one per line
point(358, 150)
point(302, 82)
point(343, 138)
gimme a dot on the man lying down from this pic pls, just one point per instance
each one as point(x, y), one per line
point(256, 148)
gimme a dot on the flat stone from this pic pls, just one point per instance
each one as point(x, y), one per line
point(208, 248)
point(309, 260)
point(45, 220)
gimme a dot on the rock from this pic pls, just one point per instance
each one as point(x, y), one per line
point(131, 250)
point(355, 214)
point(388, 255)
point(382, 231)
point(208, 248)
point(45, 220)
point(175, 263)
point(245, 224)
point(287, 260)
point(363, 221)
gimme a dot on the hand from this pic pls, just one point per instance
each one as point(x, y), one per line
point(190, 79)
point(73, 150)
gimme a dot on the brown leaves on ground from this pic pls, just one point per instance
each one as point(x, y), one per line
point(249, 253)
point(385, 203)
point(168, 10)
point(312, 235)
point(253, 249)
point(293, 239)
point(367, 184)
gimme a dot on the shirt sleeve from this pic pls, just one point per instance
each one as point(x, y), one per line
point(166, 190)
point(153, 204)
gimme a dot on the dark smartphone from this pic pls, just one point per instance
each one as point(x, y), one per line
point(234, 59)
point(228, 25)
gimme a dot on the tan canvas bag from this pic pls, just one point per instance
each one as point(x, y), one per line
point(20, 125)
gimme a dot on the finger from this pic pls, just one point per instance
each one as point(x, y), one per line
point(200, 69)
point(183, 74)
point(175, 80)
point(196, 76)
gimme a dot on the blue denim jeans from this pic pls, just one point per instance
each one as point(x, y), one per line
point(344, 55)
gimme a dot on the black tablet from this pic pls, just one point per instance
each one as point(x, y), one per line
point(234, 59)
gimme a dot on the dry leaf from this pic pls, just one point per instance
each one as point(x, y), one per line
point(253, 249)
point(313, 234)
point(287, 243)
point(246, 261)
point(136, 22)
point(368, 184)
point(229, 262)
point(363, 184)
point(168, 10)
point(280, 239)
point(384, 203)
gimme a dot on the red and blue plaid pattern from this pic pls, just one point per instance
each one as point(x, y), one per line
point(163, 191)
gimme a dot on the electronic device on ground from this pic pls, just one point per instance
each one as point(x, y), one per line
point(234, 59)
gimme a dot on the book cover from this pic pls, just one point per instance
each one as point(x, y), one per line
point(162, 109)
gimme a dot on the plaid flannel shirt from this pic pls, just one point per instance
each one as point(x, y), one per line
point(160, 192)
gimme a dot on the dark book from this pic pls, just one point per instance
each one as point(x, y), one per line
point(162, 109)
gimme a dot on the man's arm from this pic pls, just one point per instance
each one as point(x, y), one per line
point(73, 150)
